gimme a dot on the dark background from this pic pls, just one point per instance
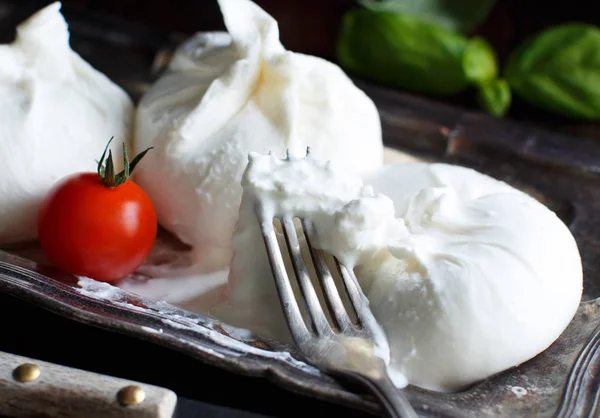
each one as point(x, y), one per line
point(311, 26)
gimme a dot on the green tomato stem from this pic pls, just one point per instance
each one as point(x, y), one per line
point(106, 167)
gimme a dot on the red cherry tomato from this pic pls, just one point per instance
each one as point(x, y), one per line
point(89, 229)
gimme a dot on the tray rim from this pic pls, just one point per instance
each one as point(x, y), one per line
point(42, 291)
point(189, 333)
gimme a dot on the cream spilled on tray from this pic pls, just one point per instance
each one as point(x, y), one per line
point(467, 275)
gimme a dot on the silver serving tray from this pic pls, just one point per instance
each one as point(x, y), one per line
point(561, 382)
point(561, 171)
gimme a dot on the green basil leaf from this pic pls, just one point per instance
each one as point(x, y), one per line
point(480, 64)
point(495, 97)
point(457, 15)
point(402, 51)
point(559, 70)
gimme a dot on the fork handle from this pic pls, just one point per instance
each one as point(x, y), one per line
point(394, 400)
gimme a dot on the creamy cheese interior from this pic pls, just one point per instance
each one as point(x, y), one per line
point(467, 275)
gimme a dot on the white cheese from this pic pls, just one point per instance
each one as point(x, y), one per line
point(467, 275)
point(228, 94)
point(56, 115)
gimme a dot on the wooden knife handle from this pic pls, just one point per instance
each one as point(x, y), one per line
point(64, 392)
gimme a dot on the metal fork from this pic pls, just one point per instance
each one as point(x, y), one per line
point(341, 348)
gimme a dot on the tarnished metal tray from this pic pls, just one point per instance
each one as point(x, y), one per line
point(561, 171)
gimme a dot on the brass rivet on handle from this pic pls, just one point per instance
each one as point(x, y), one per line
point(131, 395)
point(27, 372)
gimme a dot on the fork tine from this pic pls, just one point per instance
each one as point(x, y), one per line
point(315, 310)
point(289, 305)
point(332, 296)
point(351, 285)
